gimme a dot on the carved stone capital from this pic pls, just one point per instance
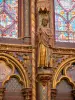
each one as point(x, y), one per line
point(53, 94)
point(1, 93)
point(27, 93)
point(44, 74)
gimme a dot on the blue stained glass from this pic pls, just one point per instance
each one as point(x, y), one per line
point(74, 36)
point(10, 1)
point(63, 37)
point(60, 10)
point(0, 34)
point(72, 24)
point(71, 36)
point(64, 20)
point(9, 18)
point(71, 14)
point(60, 23)
point(1, 1)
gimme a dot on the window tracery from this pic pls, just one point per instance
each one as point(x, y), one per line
point(9, 18)
point(64, 20)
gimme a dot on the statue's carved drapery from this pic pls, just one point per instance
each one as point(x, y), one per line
point(43, 48)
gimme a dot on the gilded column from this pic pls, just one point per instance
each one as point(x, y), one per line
point(33, 50)
point(27, 93)
point(73, 93)
point(53, 94)
point(1, 93)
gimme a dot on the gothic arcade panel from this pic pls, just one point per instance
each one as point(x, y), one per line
point(64, 91)
point(13, 90)
point(65, 81)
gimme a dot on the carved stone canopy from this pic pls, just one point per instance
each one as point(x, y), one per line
point(43, 4)
point(43, 11)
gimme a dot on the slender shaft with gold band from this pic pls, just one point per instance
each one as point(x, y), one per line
point(1, 93)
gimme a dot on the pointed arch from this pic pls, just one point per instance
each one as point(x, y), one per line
point(60, 67)
point(19, 67)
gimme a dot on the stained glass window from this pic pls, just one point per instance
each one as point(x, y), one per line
point(9, 18)
point(64, 20)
